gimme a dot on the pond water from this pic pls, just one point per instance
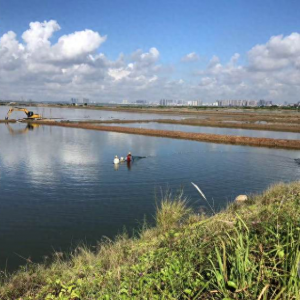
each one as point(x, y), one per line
point(59, 187)
point(214, 130)
point(85, 114)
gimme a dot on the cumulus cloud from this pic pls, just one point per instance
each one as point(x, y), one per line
point(36, 67)
point(278, 53)
point(191, 57)
point(77, 44)
point(38, 35)
point(118, 74)
point(271, 71)
point(72, 67)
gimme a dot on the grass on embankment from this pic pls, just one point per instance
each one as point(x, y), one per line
point(248, 251)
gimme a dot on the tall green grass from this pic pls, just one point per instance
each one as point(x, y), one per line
point(248, 251)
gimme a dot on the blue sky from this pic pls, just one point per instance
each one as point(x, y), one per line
point(175, 28)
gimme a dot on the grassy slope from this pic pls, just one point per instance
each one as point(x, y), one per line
point(248, 251)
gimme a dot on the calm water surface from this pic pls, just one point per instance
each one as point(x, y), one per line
point(215, 130)
point(85, 114)
point(58, 186)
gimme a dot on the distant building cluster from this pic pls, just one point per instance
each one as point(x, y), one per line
point(195, 103)
point(80, 101)
point(141, 102)
point(297, 104)
point(242, 103)
point(170, 102)
point(166, 102)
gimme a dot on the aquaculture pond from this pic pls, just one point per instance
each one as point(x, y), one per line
point(214, 130)
point(59, 187)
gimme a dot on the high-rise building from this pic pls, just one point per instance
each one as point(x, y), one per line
point(194, 103)
point(238, 103)
point(142, 102)
point(166, 102)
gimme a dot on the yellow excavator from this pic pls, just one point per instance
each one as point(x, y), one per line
point(30, 115)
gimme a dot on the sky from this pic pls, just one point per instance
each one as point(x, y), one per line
point(149, 50)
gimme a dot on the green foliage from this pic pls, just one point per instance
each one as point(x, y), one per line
point(247, 252)
point(171, 212)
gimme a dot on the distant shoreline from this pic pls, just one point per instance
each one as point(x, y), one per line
point(272, 120)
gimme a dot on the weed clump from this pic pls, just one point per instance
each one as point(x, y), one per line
point(171, 212)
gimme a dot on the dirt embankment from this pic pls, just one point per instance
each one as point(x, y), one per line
point(214, 138)
point(8, 121)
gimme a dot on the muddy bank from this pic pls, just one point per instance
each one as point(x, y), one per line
point(8, 121)
point(214, 138)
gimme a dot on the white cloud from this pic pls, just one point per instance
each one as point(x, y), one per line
point(279, 52)
point(191, 57)
point(70, 67)
point(118, 74)
point(145, 59)
point(152, 55)
point(77, 44)
point(37, 37)
point(271, 71)
point(38, 68)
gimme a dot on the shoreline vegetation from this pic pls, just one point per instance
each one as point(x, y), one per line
point(202, 137)
point(250, 250)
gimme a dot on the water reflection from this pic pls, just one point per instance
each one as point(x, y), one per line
point(29, 127)
point(58, 186)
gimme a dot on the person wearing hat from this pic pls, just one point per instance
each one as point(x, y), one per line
point(116, 160)
point(129, 157)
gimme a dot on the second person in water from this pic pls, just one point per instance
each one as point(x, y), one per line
point(129, 157)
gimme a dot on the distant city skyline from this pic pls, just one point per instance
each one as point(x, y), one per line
point(110, 51)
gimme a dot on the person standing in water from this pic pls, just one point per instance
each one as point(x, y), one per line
point(129, 157)
point(116, 160)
